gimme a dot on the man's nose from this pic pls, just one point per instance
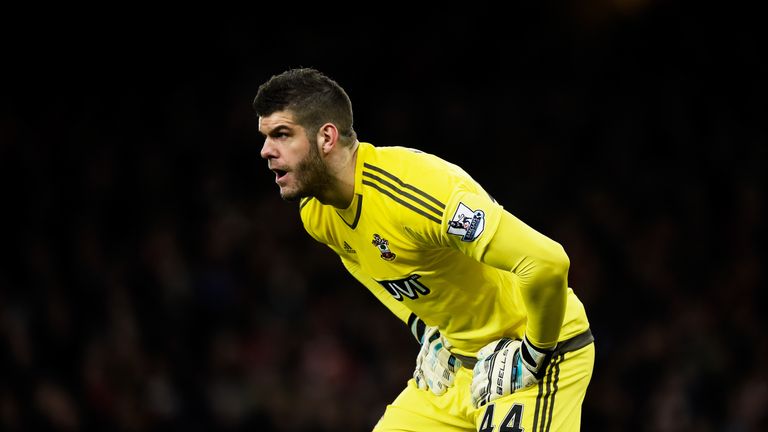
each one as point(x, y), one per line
point(268, 150)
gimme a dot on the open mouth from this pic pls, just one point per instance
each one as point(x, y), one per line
point(279, 173)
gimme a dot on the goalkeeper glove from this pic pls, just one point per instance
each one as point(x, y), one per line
point(505, 366)
point(435, 365)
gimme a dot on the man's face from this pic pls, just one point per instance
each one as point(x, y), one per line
point(293, 156)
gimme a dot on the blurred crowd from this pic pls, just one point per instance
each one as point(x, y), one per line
point(152, 279)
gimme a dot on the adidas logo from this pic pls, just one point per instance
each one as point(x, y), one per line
point(348, 248)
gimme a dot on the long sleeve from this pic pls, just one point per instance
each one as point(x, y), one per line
point(541, 266)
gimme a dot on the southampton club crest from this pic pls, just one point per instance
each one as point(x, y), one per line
point(467, 223)
point(383, 245)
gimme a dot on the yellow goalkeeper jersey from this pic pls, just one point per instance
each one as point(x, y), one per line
point(415, 234)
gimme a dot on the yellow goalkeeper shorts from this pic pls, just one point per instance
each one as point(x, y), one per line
point(552, 405)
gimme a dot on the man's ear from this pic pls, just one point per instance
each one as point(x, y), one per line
point(327, 137)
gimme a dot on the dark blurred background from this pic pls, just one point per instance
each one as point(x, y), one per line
point(152, 279)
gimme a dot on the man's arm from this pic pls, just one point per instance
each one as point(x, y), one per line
point(541, 266)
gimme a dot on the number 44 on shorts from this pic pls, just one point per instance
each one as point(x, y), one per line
point(511, 422)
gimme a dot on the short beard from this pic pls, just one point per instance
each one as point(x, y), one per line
point(312, 176)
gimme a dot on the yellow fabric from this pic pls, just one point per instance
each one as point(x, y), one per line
point(552, 405)
point(541, 267)
point(416, 235)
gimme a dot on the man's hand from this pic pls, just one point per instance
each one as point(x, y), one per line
point(505, 366)
point(435, 365)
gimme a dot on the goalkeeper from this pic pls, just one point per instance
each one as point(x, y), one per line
point(505, 343)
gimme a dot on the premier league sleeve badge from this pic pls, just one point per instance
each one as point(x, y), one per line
point(467, 223)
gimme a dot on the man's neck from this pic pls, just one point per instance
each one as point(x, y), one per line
point(342, 191)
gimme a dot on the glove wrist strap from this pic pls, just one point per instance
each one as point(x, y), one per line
point(534, 358)
point(417, 327)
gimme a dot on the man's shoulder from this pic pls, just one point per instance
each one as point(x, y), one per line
point(412, 171)
point(407, 165)
point(406, 184)
point(398, 155)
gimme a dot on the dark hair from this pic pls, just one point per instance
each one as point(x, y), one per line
point(312, 97)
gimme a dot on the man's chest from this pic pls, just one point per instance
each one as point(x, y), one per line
point(383, 250)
